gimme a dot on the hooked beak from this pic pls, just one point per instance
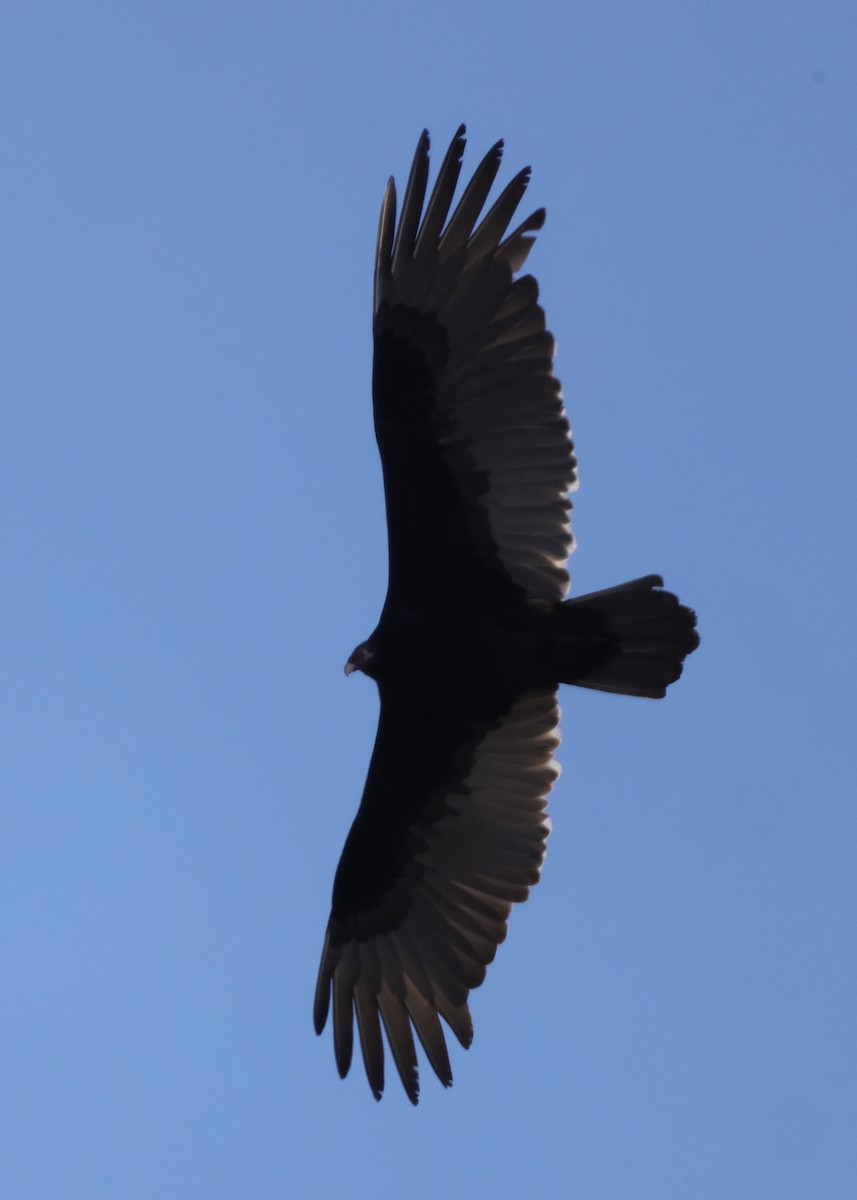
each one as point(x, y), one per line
point(359, 658)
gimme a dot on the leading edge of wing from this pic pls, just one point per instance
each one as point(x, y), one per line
point(466, 402)
point(402, 956)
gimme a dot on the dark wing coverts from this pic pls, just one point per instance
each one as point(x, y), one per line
point(477, 461)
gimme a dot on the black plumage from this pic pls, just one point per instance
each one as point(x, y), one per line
point(476, 634)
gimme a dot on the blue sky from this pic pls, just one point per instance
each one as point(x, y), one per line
point(193, 541)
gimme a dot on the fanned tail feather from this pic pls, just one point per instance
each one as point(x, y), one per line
point(631, 639)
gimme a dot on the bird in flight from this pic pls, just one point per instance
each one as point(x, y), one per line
point(476, 633)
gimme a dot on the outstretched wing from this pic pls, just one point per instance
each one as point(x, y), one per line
point(474, 441)
point(450, 833)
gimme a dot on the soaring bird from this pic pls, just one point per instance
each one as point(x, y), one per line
point(476, 633)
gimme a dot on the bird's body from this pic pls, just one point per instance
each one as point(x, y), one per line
point(476, 633)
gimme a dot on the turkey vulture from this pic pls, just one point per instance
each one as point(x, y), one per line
point(476, 634)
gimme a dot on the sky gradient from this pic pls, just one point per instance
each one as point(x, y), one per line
point(193, 541)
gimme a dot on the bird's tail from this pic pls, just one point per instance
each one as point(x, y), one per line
point(631, 639)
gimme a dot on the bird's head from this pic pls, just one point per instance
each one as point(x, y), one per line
point(362, 659)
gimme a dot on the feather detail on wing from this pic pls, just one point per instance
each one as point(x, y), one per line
point(473, 848)
point(464, 388)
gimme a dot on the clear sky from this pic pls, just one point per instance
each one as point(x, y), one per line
point(193, 542)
